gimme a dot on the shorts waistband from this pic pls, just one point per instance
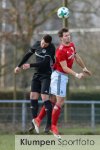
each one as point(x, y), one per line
point(61, 73)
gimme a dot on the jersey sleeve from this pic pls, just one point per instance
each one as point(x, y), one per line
point(30, 52)
point(42, 64)
point(25, 58)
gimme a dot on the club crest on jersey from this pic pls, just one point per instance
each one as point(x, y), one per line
point(44, 51)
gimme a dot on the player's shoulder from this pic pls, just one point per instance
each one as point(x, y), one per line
point(52, 46)
point(36, 44)
point(72, 44)
point(51, 50)
point(60, 50)
point(60, 47)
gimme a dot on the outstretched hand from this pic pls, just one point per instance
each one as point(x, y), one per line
point(80, 75)
point(26, 66)
point(85, 70)
point(17, 70)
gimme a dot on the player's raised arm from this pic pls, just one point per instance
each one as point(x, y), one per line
point(82, 64)
point(24, 59)
point(70, 71)
point(44, 63)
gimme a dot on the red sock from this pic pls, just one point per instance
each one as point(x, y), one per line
point(55, 114)
point(42, 113)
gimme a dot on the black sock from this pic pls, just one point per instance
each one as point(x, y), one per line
point(34, 107)
point(48, 107)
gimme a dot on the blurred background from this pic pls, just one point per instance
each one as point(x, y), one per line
point(22, 22)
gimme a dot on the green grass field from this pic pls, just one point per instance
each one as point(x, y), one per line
point(7, 142)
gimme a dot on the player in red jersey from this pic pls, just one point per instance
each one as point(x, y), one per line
point(65, 56)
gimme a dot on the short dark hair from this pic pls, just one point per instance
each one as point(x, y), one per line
point(60, 32)
point(47, 38)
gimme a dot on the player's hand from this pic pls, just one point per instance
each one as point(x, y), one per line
point(17, 70)
point(85, 70)
point(79, 75)
point(26, 66)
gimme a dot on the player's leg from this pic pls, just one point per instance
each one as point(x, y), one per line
point(55, 115)
point(45, 84)
point(45, 89)
point(58, 88)
point(42, 113)
point(47, 111)
point(53, 99)
point(47, 107)
point(34, 95)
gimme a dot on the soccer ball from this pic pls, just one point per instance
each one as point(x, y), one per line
point(63, 12)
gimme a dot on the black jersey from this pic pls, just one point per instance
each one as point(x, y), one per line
point(44, 57)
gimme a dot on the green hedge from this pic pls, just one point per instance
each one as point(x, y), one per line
point(8, 95)
point(73, 95)
point(84, 95)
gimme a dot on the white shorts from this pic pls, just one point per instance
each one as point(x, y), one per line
point(58, 83)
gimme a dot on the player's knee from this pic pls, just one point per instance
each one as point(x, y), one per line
point(34, 95)
point(60, 103)
point(53, 98)
point(44, 97)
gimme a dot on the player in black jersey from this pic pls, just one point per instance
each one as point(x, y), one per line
point(44, 51)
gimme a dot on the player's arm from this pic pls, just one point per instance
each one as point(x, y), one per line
point(24, 59)
point(70, 71)
point(80, 62)
point(42, 64)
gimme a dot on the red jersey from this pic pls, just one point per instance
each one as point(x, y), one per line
point(64, 53)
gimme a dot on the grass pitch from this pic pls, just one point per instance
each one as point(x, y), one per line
point(7, 142)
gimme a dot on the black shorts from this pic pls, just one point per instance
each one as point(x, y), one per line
point(41, 83)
